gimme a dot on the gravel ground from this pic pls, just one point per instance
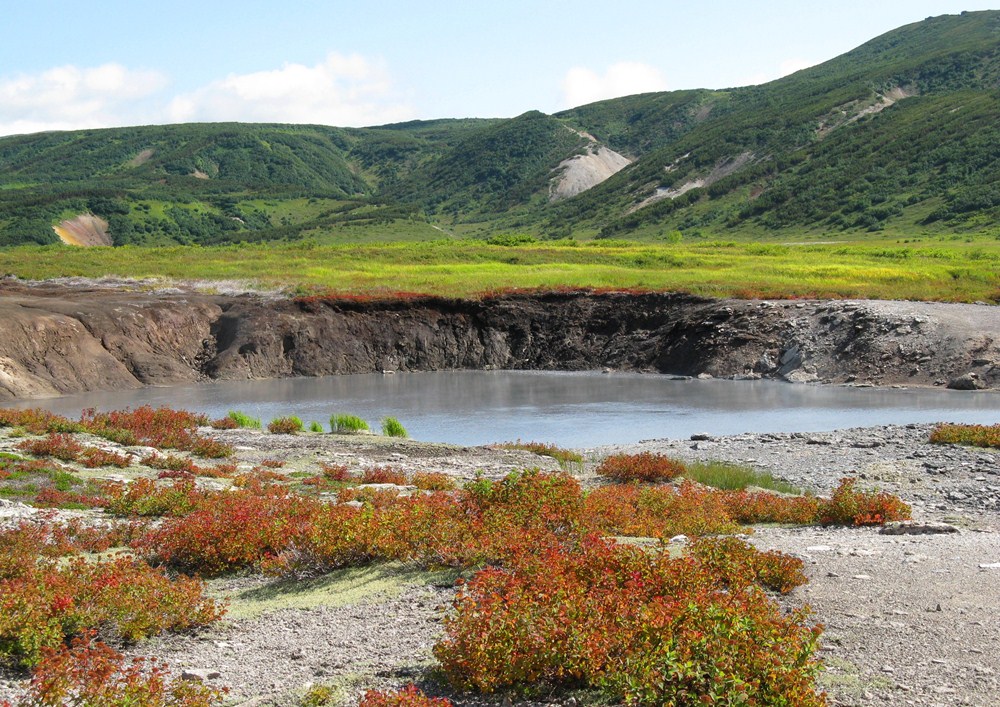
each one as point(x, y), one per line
point(910, 619)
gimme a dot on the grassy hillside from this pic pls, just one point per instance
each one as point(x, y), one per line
point(897, 138)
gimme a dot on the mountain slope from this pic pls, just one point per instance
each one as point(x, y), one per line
point(899, 134)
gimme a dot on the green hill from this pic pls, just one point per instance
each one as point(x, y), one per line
point(897, 136)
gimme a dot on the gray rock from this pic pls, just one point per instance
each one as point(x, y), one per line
point(968, 381)
point(200, 674)
point(913, 527)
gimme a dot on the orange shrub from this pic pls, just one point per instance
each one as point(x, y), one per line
point(93, 674)
point(383, 475)
point(646, 629)
point(409, 696)
point(645, 467)
point(850, 507)
point(433, 481)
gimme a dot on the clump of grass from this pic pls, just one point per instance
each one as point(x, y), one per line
point(645, 467)
point(347, 424)
point(563, 456)
point(391, 427)
point(285, 425)
point(244, 421)
point(972, 435)
point(734, 477)
point(315, 426)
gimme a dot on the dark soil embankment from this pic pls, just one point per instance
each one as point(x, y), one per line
point(62, 338)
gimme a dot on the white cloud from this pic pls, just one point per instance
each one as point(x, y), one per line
point(69, 97)
point(582, 85)
point(341, 90)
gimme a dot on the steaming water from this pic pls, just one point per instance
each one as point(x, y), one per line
point(569, 409)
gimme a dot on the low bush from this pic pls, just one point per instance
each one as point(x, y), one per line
point(408, 696)
point(643, 628)
point(658, 512)
point(972, 435)
point(92, 458)
point(144, 497)
point(56, 445)
point(48, 602)
point(433, 481)
point(89, 673)
point(37, 421)
point(383, 475)
point(563, 456)
point(391, 427)
point(288, 425)
point(315, 427)
point(347, 424)
point(645, 467)
point(848, 506)
point(244, 421)
point(224, 423)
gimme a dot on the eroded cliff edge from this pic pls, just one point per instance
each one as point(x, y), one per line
point(58, 338)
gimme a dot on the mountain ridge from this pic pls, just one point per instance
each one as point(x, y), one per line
point(896, 134)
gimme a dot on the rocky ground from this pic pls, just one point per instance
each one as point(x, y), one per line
point(910, 619)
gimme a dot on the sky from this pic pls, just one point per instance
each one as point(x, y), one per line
point(69, 64)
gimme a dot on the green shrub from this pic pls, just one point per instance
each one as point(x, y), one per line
point(244, 421)
point(315, 426)
point(734, 477)
point(285, 425)
point(347, 424)
point(391, 427)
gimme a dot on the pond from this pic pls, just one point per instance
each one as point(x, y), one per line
point(568, 409)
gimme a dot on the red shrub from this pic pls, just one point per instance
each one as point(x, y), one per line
point(645, 467)
point(645, 628)
point(91, 674)
point(409, 696)
point(761, 507)
point(37, 421)
point(383, 475)
point(850, 507)
point(47, 602)
point(224, 423)
point(337, 472)
point(92, 457)
point(59, 446)
point(658, 512)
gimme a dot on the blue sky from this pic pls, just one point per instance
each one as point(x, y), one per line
point(78, 64)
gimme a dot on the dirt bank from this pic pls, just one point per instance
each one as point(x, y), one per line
point(58, 338)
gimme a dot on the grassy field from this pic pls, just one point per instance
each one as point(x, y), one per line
point(941, 269)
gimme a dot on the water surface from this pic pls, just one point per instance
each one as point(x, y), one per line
point(569, 409)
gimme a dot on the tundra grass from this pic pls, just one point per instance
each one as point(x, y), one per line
point(734, 477)
point(941, 270)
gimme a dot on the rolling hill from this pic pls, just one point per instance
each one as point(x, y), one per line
point(897, 136)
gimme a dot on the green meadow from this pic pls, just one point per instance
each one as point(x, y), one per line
point(949, 270)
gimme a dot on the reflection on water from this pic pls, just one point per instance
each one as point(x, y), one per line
point(570, 409)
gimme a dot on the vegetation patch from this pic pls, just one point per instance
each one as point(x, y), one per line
point(563, 456)
point(723, 475)
point(644, 467)
point(343, 423)
point(972, 435)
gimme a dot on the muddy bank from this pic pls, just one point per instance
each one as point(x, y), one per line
point(60, 338)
